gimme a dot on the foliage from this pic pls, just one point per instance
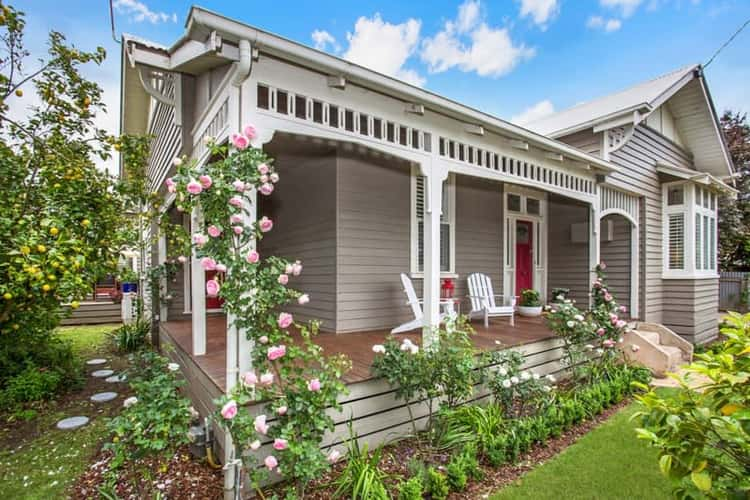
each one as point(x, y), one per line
point(436, 484)
point(519, 392)
point(463, 467)
point(156, 419)
point(734, 212)
point(50, 353)
point(58, 214)
point(560, 294)
point(361, 479)
point(32, 384)
point(130, 337)
point(295, 381)
point(530, 298)
point(703, 436)
point(410, 489)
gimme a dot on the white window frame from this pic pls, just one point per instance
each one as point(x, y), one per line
point(691, 207)
point(450, 214)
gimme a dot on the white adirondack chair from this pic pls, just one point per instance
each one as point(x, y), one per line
point(483, 300)
point(416, 308)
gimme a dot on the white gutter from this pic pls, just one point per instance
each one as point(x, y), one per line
point(306, 56)
point(245, 64)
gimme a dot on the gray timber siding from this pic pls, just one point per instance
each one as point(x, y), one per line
point(176, 287)
point(568, 262)
point(373, 248)
point(586, 140)
point(303, 209)
point(616, 254)
point(691, 310)
point(479, 232)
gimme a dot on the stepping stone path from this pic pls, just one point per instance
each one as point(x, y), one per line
point(102, 373)
point(68, 424)
point(103, 397)
point(115, 378)
point(96, 361)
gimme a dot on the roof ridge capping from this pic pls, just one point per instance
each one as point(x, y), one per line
point(201, 21)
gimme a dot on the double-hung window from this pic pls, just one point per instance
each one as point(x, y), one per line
point(689, 212)
point(447, 224)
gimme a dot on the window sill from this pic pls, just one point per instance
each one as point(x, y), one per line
point(689, 276)
point(419, 276)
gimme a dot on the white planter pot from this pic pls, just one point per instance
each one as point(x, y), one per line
point(530, 311)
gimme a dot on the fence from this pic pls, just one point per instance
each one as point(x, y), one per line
point(731, 288)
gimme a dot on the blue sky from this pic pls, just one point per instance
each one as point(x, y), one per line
point(513, 58)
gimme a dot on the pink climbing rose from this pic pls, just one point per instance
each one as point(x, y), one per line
point(274, 177)
point(333, 456)
point(221, 268)
point(249, 379)
point(182, 259)
point(270, 462)
point(623, 309)
point(194, 187)
point(266, 378)
point(208, 264)
point(265, 224)
point(303, 299)
point(240, 141)
point(206, 181)
point(200, 239)
point(238, 230)
point(213, 231)
point(600, 332)
point(235, 218)
point(260, 424)
point(235, 201)
point(212, 288)
point(252, 257)
point(263, 339)
point(281, 410)
point(229, 410)
point(285, 320)
point(313, 385)
point(283, 279)
point(250, 131)
point(171, 186)
point(263, 169)
point(266, 189)
point(276, 352)
point(297, 268)
point(255, 445)
point(280, 444)
point(238, 185)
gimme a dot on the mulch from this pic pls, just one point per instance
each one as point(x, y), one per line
point(177, 476)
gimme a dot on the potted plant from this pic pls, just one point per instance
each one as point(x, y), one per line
point(129, 280)
point(531, 304)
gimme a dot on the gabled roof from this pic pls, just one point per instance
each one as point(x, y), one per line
point(690, 103)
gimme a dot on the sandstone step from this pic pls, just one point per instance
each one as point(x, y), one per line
point(675, 356)
point(652, 337)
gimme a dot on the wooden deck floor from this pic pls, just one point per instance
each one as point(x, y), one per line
point(357, 346)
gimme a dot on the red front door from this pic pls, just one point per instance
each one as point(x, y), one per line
point(213, 302)
point(524, 255)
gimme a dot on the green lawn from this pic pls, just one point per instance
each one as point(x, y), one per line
point(43, 466)
point(608, 462)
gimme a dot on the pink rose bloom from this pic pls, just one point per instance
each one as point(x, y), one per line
point(250, 131)
point(266, 378)
point(240, 141)
point(283, 279)
point(607, 297)
point(235, 219)
point(180, 208)
point(252, 257)
point(314, 385)
point(250, 379)
point(602, 266)
point(221, 268)
point(265, 224)
point(288, 269)
point(212, 288)
point(208, 263)
point(255, 445)
point(235, 201)
point(281, 410)
point(239, 185)
point(238, 230)
point(270, 462)
point(623, 309)
point(182, 259)
point(205, 181)
point(303, 299)
point(263, 339)
point(263, 179)
point(274, 177)
point(333, 456)
point(276, 352)
point(213, 231)
point(171, 186)
point(194, 187)
point(280, 444)
point(608, 343)
point(600, 332)
point(260, 424)
point(263, 169)
point(297, 268)
point(266, 189)
point(229, 410)
point(200, 239)
point(621, 324)
point(285, 320)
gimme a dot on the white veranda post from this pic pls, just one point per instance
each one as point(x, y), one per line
point(163, 280)
point(198, 286)
point(594, 244)
point(435, 174)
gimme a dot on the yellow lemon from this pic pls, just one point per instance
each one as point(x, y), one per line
point(85, 223)
point(19, 93)
point(46, 287)
point(7, 295)
point(87, 102)
point(51, 277)
point(117, 147)
point(41, 248)
point(53, 231)
point(15, 326)
point(25, 250)
point(75, 304)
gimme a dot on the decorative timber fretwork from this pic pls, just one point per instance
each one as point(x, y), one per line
point(344, 119)
point(615, 138)
point(161, 85)
point(613, 201)
point(525, 170)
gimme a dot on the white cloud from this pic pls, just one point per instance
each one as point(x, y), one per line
point(483, 49)
point(323, 39)
point(140, 12)
point(607, 25)
point(541, 11)
point(534, 112)
point(626, 7)
point(385, 47)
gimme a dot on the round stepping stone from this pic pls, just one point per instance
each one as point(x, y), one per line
point(68, 424)
point(115, 378)
point(102, 373)
point(103, 397)
point(96, 361)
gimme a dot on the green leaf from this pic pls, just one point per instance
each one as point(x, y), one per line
point(665, 464)
point(702, 480)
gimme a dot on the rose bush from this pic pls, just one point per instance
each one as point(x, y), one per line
point(292, 380)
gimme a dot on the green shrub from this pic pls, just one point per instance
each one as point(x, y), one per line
point(436, 484)
point(411, 489)
point(18, 351)
point(456, 476)
point(32, 384)
point(362, 478)
point(131, 337)
point(470, 462)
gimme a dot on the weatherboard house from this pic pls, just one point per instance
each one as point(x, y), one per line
point(381, 178)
